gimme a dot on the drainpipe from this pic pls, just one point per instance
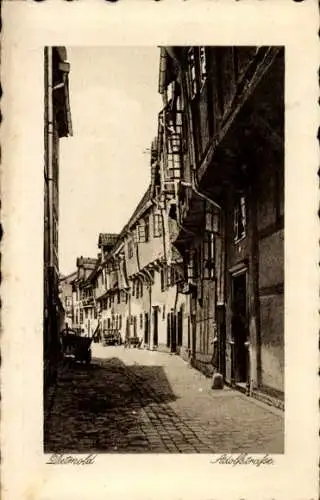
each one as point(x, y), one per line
point(51, 309)
point(194, 188)
point(50, 153)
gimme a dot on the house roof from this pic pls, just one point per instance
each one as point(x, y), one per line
point(141, 207)
point(168, 68)
point(87, 262)
point(69, 277)
point(107, 239)
point(65, 128)
point(114, 240)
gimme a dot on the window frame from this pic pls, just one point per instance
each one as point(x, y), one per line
point(193, 83)
point(240, 216)
point(203, 75)
point(146, 229)
point(157, 225)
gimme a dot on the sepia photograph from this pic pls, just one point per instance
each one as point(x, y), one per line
point(159, 259)
point(163, 249)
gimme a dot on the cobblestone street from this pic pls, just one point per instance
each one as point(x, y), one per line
point(131, 400)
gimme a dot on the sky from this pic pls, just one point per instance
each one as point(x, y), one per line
point(104, 166)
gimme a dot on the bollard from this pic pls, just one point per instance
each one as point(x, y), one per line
point(217, 381)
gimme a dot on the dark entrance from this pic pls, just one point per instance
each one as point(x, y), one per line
point(221, 325)
point(168, 330)
point(127, 328)
point(135, 326)
point(180, 327)
point(146, 328)
point(173, 332)
point(240, 327)
point(155, 326)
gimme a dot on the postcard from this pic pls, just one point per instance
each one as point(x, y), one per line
point(159, 291)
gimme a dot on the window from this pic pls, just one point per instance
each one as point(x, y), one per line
point(109, 323)
point(209, 253)
point(120, 322)
point(170, 276)
point(157, 225)
point(95, 313)
point(203, 65)
point(162, 278)
point(130, 249)
point(135, 235)
point(240, 218)
point(192, 72)
point(141, 233)
point(146, 228)
point(141, 321)
point(81, 317)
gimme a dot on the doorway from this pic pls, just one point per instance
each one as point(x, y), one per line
point(155, 326)
point(221, 326)
point(173, 332)
point(240, 327)
point(180, 327)
point(168, 330)
point(146, 328)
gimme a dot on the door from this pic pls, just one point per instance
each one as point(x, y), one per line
point(240, 327)
point(135, 326)
point(180, 327)
point(146, 328)
point(173, 332)
point(221, 325)
point(127, 328)
point(155, 326)
point(168, 330)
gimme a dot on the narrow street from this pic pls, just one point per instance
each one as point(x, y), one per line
point(131, 401)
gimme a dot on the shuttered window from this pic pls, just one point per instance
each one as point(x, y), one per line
point(157, 225)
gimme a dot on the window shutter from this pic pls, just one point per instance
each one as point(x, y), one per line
point(157, 225)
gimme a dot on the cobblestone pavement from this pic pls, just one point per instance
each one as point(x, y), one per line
point(132, 400)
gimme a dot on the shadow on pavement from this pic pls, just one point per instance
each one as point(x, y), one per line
point(97, 407)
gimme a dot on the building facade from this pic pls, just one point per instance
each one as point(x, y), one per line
point(111, 285)
point(66, 297)
point(57, 125)
point(85, 317)
point(230, 206)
